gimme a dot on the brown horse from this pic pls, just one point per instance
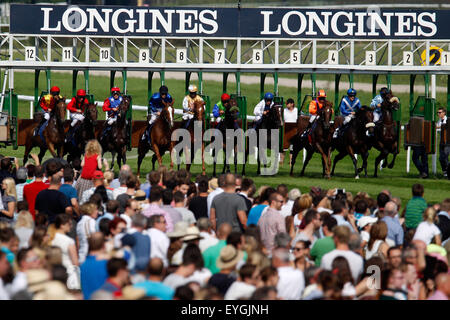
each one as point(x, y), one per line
point(84, 132)
point(319, 141)
point(386, 133)
point(160, 137)
point(117, 138)
point(199, 115)
point(354, 139)
point(53, 134)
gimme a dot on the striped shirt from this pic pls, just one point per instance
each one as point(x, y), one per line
point(414, 212)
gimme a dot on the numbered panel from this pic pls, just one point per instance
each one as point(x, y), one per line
point(371, 58)
point(295, 57)
point(408, 58)
point(257, 56)
point(67, 54)
point(219, 56)
point(333, 57)
point(144, 56)
point(105, 54)
point(181, 55)
point(30, 53)
point(445, 59)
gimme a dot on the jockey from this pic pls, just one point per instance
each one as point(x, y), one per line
point(314, 106)
point(156, 103)
point(188, 104)
point(77, 106)
point(219, 109)
point(262, 108)
point(111, 105)
point(349, 105)
point(47, 101)
point(376, 103)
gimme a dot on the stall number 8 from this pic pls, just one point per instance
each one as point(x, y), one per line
point(181, 55)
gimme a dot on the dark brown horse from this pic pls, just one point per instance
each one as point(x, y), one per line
point(84, 132)
point(53, 134)
point(354, 139)
point(160, 137)
point(231, 115)
point(199, 115)
point(319, 140)
point(117, 138)
point(386, 134)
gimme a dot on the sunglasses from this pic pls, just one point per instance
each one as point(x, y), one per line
point(299, 249)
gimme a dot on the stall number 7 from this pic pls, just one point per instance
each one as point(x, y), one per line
point(30, 54)
point(219, 56)
point(181, 55)
point(371, 58)
point(105, 54)
point(144, 56)
point(257, 56)
point(408, 58)
point(333, 57)
point(67, 54)
point(445, 59)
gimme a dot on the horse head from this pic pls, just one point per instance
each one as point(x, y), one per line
point(273, 118)
point(124, 106)
point(92, 113)
point(167, 115)
point(60, 109)
point(232, 110)
point(199, 110)
point(326, 112)
point(364, 118)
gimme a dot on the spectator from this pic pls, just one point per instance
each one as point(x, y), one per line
point(4, 269)
point(109, 177)
point(31, 190)
point(245, 285)
point(247, 191)
point(392, 282)
point(341, 236)
point(9, 200)
point(324, 245)
point(160, 242)
point(395, 231)
point(310, 223)
point(394, 257)
point(69, 191)
point(221, 184)
point(27, 259)
point(286, 210)
point(23, 228)
point(21, 182)
point(199, 204)
point(427, 231)
point(361, 209)
point(179, 205)
point(139, 242)
point(291, 283)
point(211, 254)
point(256, 211)
point(117, 277)
point(227, 262)
point(112, 211)
point(290, 115)
point(93, 271)
point(129, 192)
point(155, 207)
point(185, 270)
point(9, 243)
point(85, 228)
point(201, 274)
point(272, 222)
point(382, 199)
point(345, 282)
point(153, 286)
point(340, 213)
point(442, 287)
point(131, 209)
point(365, 224)
point(6, 168)
point(444, 219)
point(51, 201)
point(301, 252)
point(209, 238)
point(124, 173)
point(153, 179)
point(98, 181)
point(91, 163)
point(125, 170)
point(283, 190)
point(377, 245)
point(415, 207)
point(229, 207)
point(167, 198)
point(299, 208)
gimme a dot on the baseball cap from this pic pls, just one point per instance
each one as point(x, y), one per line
point(98, 174)
point(364, 221)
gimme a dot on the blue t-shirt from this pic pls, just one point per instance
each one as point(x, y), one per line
point(255, 214)
point(69, 191)
point(156, 289)
point(93, 275)
point(107, 215)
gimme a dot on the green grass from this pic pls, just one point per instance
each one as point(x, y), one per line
point(396, 180)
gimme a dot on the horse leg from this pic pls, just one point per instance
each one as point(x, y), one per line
point(385, 161)
point(170, 154)
point(113, 155)
point(309, 155)
point(365, 155)
point(382, 155)
point(295, 150)
point(28, 148)
point(158, 154)
point(324, 157)
point(355, 162)
point(203, 159)
point(41, 154)
point(154, 158)
point(391, 165)
point(214, 161)
point(139, 161)
point(323, 167)
point(336, 159)
point(51, 148)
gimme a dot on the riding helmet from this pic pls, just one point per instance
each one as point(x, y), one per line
point(225, 97)
point(351, 92)
point(268, 96)
point(115, 90)
point(55, 90)
point(321, 94)
point(383, 91)
point(163, 90)
point(192, 88)
point(81, 93)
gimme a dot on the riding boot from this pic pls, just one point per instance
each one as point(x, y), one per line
point(306, 132)
point(336, 133)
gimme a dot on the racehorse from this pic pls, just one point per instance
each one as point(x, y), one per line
point(53, 133)
point(354, 139)
point(319, 140)
point(386, 134)
point(160, 136)
point(116, 140)
point(270, 121)
point(231, 115)
point(199, 115)
point(84, 132)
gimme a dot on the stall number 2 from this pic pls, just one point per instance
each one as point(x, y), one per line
point(333, 57)
point(30, 54)
point(408, 58)
point(105, 54)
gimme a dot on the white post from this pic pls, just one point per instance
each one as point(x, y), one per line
point(433, 95)
point(31, 110)
point(304, 155)
point(408, 159)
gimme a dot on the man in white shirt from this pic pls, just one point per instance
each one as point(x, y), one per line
point(245, 285)
point(218, 190)
point(341, 237)
point(159, 240)
point(27, 259)
point(444, 149)
point(124, 170)
point(209, 238)
point(122, 188)
point(340, 213)
point(290, 115)
point(291, 281)
point(286, 209)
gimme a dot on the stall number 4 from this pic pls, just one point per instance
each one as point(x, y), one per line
point(333, 57)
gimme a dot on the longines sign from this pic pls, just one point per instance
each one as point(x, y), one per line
point(229, 22)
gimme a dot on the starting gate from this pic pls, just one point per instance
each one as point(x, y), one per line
point(8, 120)
point(421, 128)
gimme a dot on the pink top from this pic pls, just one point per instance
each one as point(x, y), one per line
point(438, 295)
point(153, 209)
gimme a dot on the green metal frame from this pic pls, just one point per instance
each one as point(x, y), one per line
point(11, 106)
point(300, 101)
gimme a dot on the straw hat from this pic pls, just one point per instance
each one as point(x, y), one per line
point(53, 290)
point(179, 230)
point(140, 195)
point(213, 184)
point(229, 256)
point(37, 279)
point(132, 293)
point(192, 233)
